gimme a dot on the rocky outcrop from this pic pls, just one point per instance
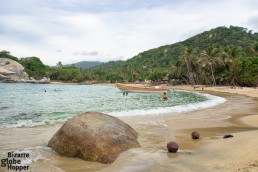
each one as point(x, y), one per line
point(94, 136)
point(12, 70)
point(3, 77)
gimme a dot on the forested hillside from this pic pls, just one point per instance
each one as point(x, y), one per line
point(84, 64)
point(168, 60)
point(227, 56)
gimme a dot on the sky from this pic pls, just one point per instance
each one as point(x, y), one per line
point(103, 30)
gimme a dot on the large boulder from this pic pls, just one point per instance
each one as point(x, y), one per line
point(12, 69)
point(94, 136)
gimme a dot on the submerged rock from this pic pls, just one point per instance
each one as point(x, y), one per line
point(94, 136)
point(195, 135)
point(172, 147)
point(26, 116)
point(227, 136)
point(4, 107)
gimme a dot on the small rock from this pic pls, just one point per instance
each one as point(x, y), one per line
point(195, 135)
point(227, 136)
point(172, 147)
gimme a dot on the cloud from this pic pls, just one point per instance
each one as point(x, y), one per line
point(91, 53)
point(111, 29)
point(253, 22)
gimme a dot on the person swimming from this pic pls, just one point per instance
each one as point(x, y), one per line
point(164, 96)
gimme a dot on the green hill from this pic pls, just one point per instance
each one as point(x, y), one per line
point(156, 63)
point(84, 64)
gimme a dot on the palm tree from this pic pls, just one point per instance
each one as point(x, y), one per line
point(229, 54)
point(188, 59)
point(211, 57)
point(59, 64)
point(230, 57)
point(253, 50)
point(179, 71)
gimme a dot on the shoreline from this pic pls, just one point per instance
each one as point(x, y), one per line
point(210, 153)
point(206, 154)
point(247, 91)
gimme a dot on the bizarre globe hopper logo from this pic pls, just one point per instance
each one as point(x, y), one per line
point(13, 161)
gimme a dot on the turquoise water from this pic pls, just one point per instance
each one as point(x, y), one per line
point(24, 105)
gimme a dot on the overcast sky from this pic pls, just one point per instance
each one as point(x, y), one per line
point(87, 30)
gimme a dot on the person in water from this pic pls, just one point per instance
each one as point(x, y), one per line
point(164, 96)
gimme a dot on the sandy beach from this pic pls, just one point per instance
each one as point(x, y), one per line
point(247, 91)
point(237, 116)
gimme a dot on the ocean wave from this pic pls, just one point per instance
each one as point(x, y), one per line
point(28, 123)
point(212, 101)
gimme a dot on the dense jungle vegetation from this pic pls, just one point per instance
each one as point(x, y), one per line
point(221, 56)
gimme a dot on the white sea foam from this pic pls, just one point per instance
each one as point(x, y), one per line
point(30, 123)
point(212, 101)
point(26, 123)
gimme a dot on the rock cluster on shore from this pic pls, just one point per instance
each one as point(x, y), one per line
point(12, 71)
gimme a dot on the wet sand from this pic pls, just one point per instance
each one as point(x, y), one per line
point(237, 116)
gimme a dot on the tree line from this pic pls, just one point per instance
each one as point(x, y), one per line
point(218, 66)
point(213, 66)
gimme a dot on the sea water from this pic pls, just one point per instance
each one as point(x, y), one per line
point(24, 105)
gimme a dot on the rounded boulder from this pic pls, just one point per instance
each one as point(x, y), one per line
point(172, 147)
point(94, 136)
point(195, 135)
